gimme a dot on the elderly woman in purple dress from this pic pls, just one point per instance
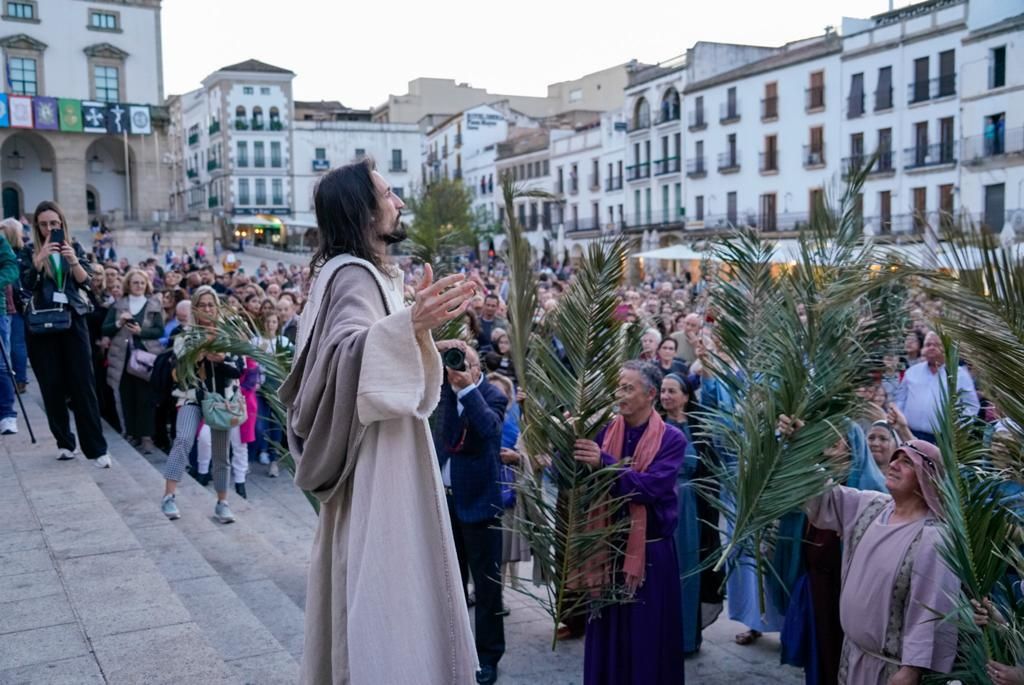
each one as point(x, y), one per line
point(641, 641)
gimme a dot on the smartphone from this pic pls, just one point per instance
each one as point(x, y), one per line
point(57, 235)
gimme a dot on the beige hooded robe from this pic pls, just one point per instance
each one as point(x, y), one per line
point(385, 601)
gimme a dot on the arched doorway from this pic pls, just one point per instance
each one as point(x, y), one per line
point(106, 179)
point(27, 161)
point(12, 201)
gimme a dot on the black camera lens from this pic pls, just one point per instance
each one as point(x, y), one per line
point(454, 359)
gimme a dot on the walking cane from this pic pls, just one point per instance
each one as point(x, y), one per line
point(14, 386)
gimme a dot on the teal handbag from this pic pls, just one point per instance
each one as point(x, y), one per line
point(221, 413)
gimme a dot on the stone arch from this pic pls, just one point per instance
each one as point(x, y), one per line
point(29, 166)
point(108, 172)
point(641, 113)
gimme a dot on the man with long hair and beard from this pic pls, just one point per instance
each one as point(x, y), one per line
point(384, 603)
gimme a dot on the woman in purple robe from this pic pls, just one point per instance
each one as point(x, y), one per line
point(640, 641)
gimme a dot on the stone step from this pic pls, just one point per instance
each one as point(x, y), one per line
point(254, 627)
point(196, 548)
point(81, 599)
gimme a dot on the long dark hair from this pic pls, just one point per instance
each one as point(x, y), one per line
point(346, 202)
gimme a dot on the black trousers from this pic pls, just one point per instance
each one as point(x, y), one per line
point(478, 546)
point(62, 363)
point(137, 404)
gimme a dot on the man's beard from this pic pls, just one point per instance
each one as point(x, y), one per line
point(398, 234)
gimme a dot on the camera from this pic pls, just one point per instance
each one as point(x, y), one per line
point(454, 359)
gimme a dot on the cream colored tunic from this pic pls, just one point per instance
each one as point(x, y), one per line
point(385, 601)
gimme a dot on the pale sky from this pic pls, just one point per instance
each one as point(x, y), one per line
point(360, 51)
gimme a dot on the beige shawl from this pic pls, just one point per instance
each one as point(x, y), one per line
point(385, 602)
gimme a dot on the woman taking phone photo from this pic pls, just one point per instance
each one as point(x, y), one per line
point(58, 337)
point(136, 321)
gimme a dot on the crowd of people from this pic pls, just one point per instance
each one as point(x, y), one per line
point(359, 392)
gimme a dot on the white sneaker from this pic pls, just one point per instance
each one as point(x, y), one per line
point(103, 462)
point(65, 455)
point(8, 426)
point(264, 457)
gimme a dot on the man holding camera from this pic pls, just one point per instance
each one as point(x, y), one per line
point(468, 443)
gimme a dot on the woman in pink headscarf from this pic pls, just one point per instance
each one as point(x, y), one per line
point(894, 579)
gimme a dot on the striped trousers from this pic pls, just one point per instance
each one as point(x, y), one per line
point(186, 428)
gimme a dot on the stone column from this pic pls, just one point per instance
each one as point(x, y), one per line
point(69, 176)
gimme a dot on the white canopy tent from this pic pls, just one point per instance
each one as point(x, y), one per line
point(672, 252)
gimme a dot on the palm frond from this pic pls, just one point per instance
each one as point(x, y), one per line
point(575, 549)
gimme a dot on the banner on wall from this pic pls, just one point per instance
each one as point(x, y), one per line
point(70, 114)
point(117, 119)
point(20, 107)
point(45, 112)
point(94, 117)
point(141, 121)
point(5, 119)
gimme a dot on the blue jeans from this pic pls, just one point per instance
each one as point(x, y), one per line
point(18, 349)
point(6, 384)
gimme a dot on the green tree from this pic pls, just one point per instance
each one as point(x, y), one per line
point(443, 222)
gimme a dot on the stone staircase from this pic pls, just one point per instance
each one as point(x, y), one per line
point(97, 586)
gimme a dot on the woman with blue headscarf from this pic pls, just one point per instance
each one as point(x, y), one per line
point(809, 563)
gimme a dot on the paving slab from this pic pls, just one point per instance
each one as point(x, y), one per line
point(24, 561)
point(35, 612)
point(120, 592)
point(28, 585)
point(20, 541)
point(170, 654)
point(81, 670)
point(277, 612)
point(76, 529)
point(42, 646)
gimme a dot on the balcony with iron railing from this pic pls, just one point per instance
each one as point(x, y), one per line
point(585, 225)
point(815, 98)
point(276, 125)
point(321, 165)
point(635, 172)
point(193, 139)
point(257, 124)
point(923, 156)
point(931, 89)
point(212, 164)
point(814, 156)
point(559, 187)
point(398, 166)
point(241, 125)
point(883, 99)
point(697, 120)
point(574, 185)
point(639, 123)
point(1000, 144)
point(729, 112)
point(613, 183)
point(696, 168)
point(214, 127)
point(854, 106)
point(729, 162)
point(769, 162)
point(191, 173)
point(668, 165)
point(770, 108)
point(214, 201)
point(594, 182)
point(883, 164)
point(667, 115)
point(458, 140)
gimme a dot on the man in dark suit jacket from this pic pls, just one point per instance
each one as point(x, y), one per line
point(468, 440)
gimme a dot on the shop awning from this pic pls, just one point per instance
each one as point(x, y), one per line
point(672, 252)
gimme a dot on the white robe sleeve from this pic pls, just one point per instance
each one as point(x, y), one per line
point(401, 372)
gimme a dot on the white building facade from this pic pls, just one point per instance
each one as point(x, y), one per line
point(82, 120)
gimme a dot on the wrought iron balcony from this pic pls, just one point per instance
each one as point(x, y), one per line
point(931, 89)
point(697, 120)
point(883, 99)
point(191, 173)
point(241, 125)
point(814, 156)
point(398, 166)
point(613, 183)
point(770, 108)
point(214, 127)
point(935, 154)
point(212, 164)
point(214, 201)
point(669, 165)
point(639, 123)
point(729, 162)
point(193, 139)
point(769, 161)
point(999, 143)
point(854, 106)
point(729, 112)
point(637, 171)
point(695, 168)
point(815, 98)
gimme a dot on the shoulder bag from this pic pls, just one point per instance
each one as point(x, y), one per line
point(220, 412)
point(56, 319)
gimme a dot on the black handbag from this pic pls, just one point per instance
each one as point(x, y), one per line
point(42, 321)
